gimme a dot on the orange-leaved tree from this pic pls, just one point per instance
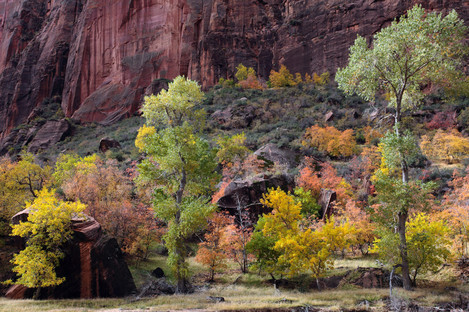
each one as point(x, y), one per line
point(328, 139)
point(212, 251)
point(326, 178)
point(457, 213)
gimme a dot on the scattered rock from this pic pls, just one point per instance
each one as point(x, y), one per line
point(329, 116)
point(158, 273)
point(284, 300)
point(234, 117)
point(106, 144)
point(272, 153)
point(215, 299)
point(157, 287)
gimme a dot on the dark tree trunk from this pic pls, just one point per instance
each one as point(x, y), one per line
point(403, 251)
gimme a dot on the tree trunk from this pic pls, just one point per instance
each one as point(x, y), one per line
point(37, 293)
point(403, 215)
point(401, 228)
point(180, 251)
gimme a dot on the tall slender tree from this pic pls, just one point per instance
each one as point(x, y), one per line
point(415, 50)
point(181, 164)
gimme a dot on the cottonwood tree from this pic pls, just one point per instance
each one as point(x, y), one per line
point(302, 249)
point(181, 164)
point(48, 227)
point(413, 51)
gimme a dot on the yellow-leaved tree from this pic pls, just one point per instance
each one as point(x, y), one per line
point(48, 227)
point(19, 182)
point(428, 245)
point(450, 146)
point(302, 249)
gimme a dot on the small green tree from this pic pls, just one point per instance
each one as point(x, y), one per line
point(416, 49)
point(47, 229)
point(181, 164)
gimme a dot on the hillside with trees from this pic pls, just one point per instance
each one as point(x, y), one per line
point(304, 191)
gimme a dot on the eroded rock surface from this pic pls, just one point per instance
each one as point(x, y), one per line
point(101, 56)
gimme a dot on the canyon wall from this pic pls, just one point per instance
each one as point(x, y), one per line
point(98, 57)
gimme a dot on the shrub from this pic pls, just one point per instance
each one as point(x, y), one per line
point(282, 78)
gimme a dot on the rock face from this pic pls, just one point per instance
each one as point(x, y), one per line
point(50, 133)
point(101, 56)
point(93, 266)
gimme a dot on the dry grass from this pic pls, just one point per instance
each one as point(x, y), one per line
point(239, 298)
point(251, 291)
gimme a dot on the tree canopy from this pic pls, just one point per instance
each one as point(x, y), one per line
point(414, 50)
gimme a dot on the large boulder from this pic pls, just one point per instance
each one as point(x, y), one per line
point(106, 144)
point(371, 278)
point(272, 153)
point(248, 192)
point(93, 265)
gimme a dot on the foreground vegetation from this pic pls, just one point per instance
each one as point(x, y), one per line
point(251, 291)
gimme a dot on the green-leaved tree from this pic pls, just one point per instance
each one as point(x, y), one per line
point(413, 51)
point(181, 164)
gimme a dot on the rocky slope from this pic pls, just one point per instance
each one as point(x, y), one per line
point(98, 57)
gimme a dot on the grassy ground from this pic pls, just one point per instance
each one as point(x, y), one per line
point(253, 291)
point(241, 298)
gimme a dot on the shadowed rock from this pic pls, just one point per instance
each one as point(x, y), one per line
point(93, 265)
point(107, 143)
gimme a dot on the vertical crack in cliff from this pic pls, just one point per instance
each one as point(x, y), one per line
point(86, 276)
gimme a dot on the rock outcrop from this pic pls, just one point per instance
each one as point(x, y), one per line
point(50, 133)
point(101, 56)
point(93, 265)
point(247, 192)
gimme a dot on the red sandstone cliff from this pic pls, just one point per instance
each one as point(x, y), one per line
point(99, 56)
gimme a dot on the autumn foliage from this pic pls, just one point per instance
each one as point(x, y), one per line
point(330, 140)
point(212, 251)
point(247, 78)
point(325, 178)
point(107, 192)
point(302, 249)
point(447, 146)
